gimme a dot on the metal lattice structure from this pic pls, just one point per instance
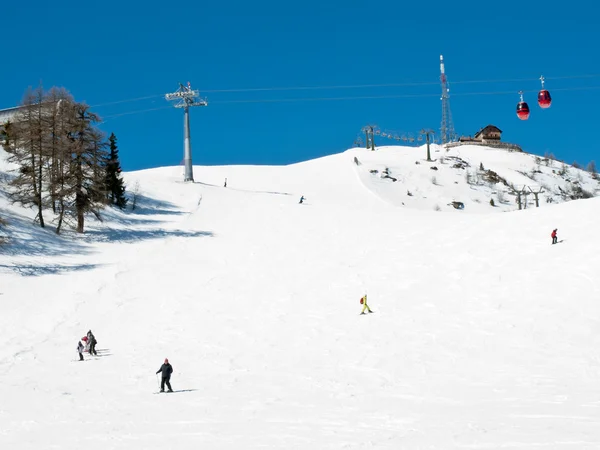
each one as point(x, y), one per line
point(369, 136)
point(408, 138)
point(427, 132)
point(187, 98)
point(447, 133)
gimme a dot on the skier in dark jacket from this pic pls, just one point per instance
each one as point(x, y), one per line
point(93, 342)
point(80, 350)
point(166, 370)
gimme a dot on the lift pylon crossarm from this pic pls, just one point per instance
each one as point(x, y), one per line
point(193, 103)
point(182, 94)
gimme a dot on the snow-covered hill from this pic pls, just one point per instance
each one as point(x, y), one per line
point(472, 175)
point(484, 335)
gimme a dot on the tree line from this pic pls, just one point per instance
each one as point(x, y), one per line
point(65, 163)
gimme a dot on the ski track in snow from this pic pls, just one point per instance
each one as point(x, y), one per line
point(484, 336)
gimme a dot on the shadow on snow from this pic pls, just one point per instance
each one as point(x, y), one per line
point(23, 237)
point(177, 390)
point(128, 235)
point(35, 270)
point(145, 205)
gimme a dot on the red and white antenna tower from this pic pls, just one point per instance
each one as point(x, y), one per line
point(447, 129)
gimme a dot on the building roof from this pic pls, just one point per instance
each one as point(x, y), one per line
point(489, 128)
point(7, 114)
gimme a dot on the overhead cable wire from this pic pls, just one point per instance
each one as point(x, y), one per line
point(357, 86)
point(366, 97)
point(376, 97)
point(125, 101)
point(364, 86)
point(139, 111)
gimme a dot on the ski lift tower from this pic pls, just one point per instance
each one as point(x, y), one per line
point(187, 98)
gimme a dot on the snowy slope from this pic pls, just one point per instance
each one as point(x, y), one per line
point(484, 335)
point(455, 174)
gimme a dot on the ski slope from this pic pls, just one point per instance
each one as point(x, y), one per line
point(484, 335)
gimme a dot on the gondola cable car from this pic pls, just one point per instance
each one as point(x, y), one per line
point(522, 108)
point(544, 98)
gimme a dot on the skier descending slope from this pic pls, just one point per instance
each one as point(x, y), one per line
point(80, 350)
point(363, 301)
point(166, 370)
point(92, 340)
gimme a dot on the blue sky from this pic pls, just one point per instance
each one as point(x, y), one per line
point(105, 52)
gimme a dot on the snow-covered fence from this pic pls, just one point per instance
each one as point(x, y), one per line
point(502, 145)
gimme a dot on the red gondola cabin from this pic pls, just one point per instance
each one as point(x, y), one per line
point(544, 99)
point(523, 111)
point(522, 108)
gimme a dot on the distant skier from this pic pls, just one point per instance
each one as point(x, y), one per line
point(166, 370)
point(80, 350)
point(225, 184)
point(363, 301)
point(301, 199)
point(92, 340)
point(554, 237)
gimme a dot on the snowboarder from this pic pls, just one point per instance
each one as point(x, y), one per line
point(554, 237)
point(301, 199)
point(80, 350)
point(166, 370)
point(92, 340)
point(363, 301)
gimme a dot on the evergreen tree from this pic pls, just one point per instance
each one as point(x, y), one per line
point(115, 187)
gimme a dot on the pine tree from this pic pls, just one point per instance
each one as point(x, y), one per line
point(115, 187)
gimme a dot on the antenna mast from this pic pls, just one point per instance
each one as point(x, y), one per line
point(447, 128)
point(186, 97)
